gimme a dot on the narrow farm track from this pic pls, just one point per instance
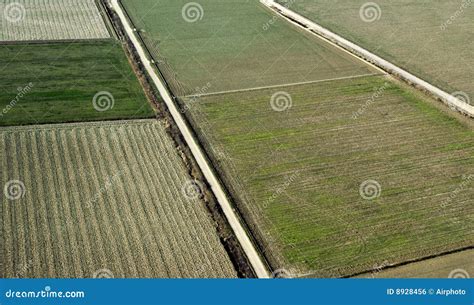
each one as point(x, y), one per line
point(242, 236)
point(357, 50)
point(103, 196)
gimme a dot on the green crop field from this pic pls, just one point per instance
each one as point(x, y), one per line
point(232, 45)
point(342, 175)
point(432, 39)
point(26, 20)
point(447, 266)
point(51, 83)
point(102, 199)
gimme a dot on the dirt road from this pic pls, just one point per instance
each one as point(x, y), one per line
point(258, 266)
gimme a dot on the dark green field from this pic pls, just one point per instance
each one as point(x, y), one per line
point(64, 79)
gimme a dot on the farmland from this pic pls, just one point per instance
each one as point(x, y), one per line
point(297, 158)
point(102, 196)
point(421, 37)
point(27, 20)
point(296, 173)
point(440, 267)
point(81, 81)
point(233, 45)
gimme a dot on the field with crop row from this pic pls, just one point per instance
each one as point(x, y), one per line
point(343, 175)
point(431, 39)
point(81, 81)
point(94, 196)
point(233, 45)
point(24, 20)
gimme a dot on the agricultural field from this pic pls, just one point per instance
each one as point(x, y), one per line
point(29, 20)
point(431, 39)
point(102, 199)
point(215, 46)
point(336, 177)
point(57, 82)
point(333, 176)
point(456, 265)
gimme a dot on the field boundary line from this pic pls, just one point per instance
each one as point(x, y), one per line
point(283, 85)
point(54, 41)
point(413, 261)
point(371, 58)
point(242, 236)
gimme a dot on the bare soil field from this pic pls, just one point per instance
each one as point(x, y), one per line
point(102, 199)
point(29, 20)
